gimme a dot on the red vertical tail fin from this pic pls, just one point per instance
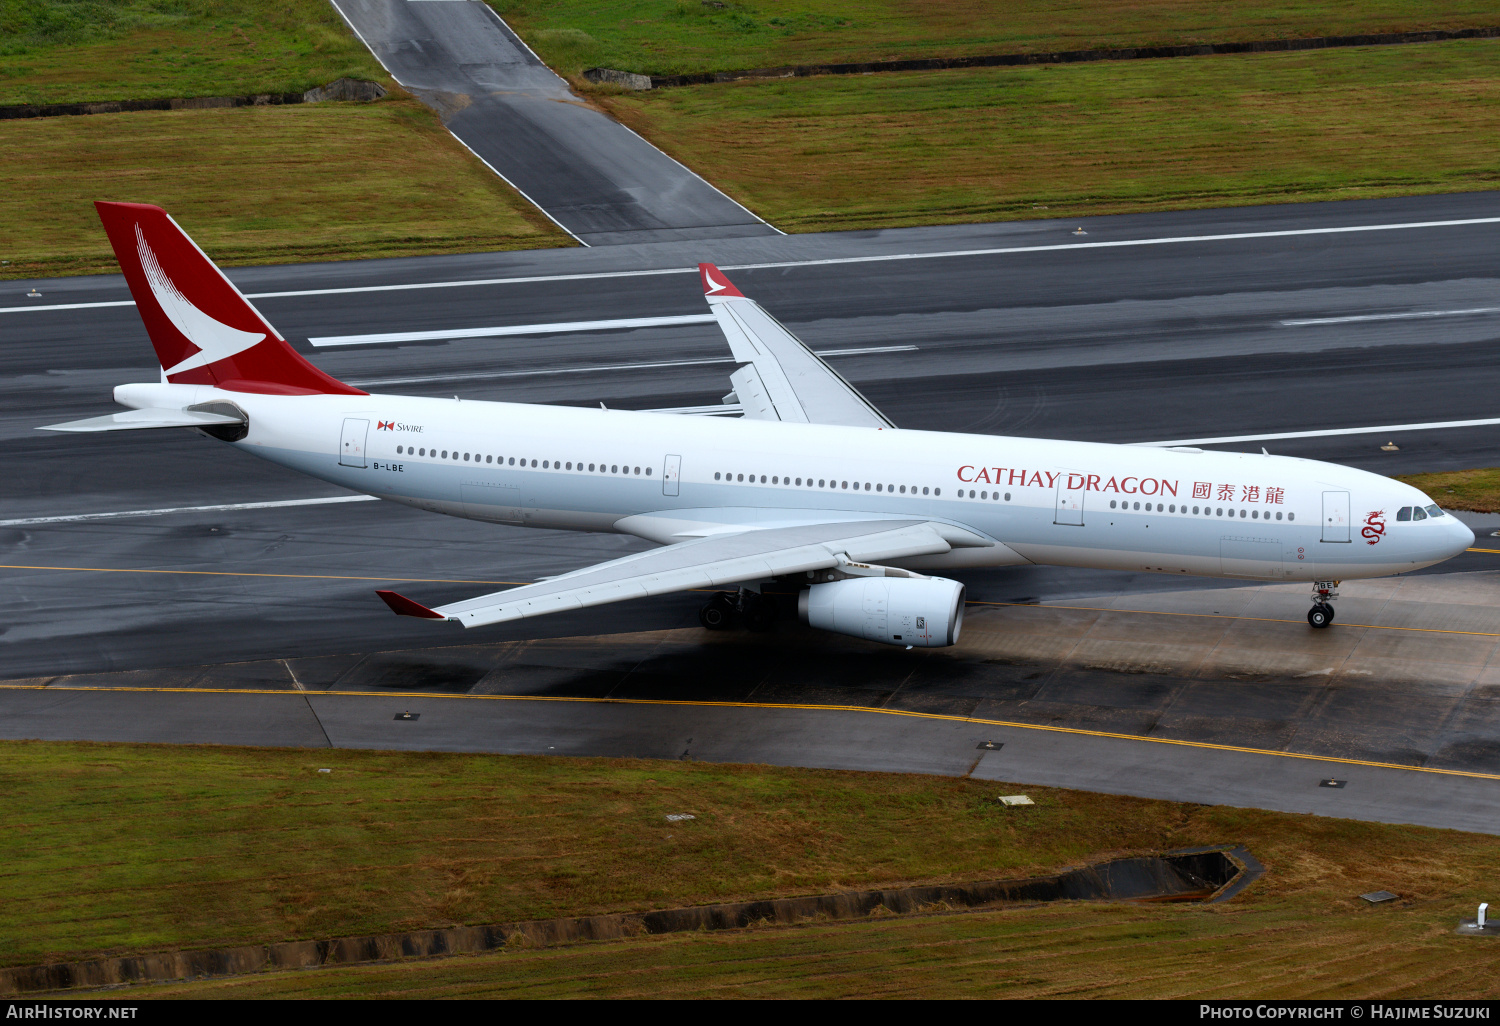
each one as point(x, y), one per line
point(204, 331)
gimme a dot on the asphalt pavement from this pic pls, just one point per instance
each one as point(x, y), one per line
point(1146, 327)
point(598, 180)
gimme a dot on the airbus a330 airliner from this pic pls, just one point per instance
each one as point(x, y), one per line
point(812, 486)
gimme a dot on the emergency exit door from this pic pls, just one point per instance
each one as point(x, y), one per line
point(1336, 516)
point(352, 442)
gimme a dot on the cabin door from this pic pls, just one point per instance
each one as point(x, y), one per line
point(1336, 516)
point(670, 473)
point(352, 442)
point(1069, 508)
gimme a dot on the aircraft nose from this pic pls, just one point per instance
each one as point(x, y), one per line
point(1462, 537)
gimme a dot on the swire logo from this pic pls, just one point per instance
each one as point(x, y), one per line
point(385, 425)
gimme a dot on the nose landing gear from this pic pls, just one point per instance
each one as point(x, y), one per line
point(1323, 594)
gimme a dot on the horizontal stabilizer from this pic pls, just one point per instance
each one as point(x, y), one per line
point(138, 420)
point(403, 606)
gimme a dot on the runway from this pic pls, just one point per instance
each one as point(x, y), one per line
point(1138, 341)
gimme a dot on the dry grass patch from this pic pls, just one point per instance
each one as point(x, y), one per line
point(131, 848)
point(989, 144)
point(256, 185)
point(1476, 490)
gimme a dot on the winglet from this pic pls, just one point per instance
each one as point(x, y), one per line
point(403, 606)
point(715, 285)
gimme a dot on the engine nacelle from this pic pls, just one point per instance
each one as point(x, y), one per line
point(923, 611)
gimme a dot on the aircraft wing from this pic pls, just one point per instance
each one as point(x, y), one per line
point(781, 379)
point(714, 561)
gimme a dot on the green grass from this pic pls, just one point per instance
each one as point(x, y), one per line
point(66, 51)
point(132, 848)
point(989, 144)
point(675, 36)
point(1257, 950)
point(1476, 490)
point(256, 185)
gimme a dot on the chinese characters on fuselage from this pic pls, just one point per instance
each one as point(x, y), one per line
point(1128, 485)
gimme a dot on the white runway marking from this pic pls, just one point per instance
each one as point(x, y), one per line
point(830, 261)
point(67, 306)
point(1435, 425)
point(511, 329)
point(1413, 316)
point(77, 517)
point(553, 371)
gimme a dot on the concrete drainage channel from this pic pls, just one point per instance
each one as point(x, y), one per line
point(1197, 874)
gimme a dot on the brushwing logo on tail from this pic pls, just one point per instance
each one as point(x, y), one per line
point(713, 286)
point(215, 340)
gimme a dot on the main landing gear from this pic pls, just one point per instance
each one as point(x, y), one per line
point(1323, 594)
point(755, 611)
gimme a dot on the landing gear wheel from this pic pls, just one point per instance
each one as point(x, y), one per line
point(759, 612)
point(1320, 615)
point(718, 613)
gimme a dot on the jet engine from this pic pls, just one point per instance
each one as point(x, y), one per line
point(922, 611)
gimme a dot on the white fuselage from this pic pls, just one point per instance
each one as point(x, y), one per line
point(668, 477)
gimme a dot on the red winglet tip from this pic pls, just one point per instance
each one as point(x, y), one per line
point(715, 284)
point(403, 606)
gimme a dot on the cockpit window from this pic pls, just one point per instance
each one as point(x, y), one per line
point(1404, 513)
point(1418, 513)
point(1434, 510)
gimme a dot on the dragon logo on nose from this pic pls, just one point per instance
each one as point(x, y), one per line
point(1374, 528)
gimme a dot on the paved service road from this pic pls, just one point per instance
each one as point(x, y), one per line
point(597, 179)
point(867, 739)
point(1023, 329)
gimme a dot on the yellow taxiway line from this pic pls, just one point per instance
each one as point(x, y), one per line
point(1230, 616)
point(971, 602)
point(781, 706)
